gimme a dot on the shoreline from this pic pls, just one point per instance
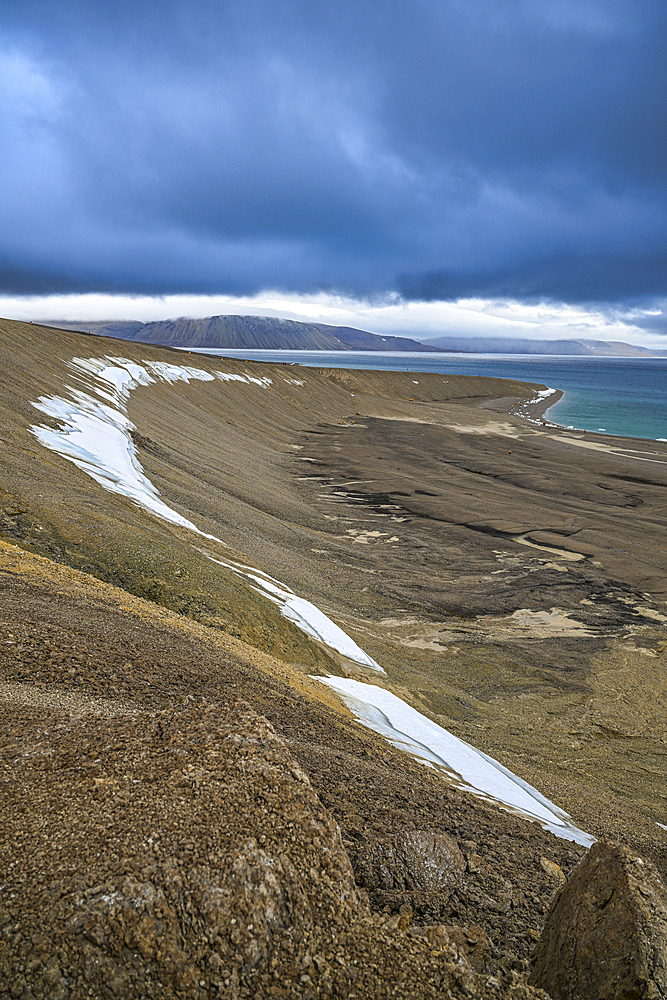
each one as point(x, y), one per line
point(532, 370)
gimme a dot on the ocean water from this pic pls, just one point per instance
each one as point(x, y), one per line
point(626, 396)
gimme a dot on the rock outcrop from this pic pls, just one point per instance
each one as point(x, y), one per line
point(605, 937)
point(409, 867)
point(185, 854)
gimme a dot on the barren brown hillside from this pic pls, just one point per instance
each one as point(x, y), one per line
point(509, 576)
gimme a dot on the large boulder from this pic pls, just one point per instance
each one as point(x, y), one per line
point(605, 937)
point(413, 859)
point(185, 854)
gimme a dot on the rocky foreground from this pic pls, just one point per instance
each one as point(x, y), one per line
point(185, 813)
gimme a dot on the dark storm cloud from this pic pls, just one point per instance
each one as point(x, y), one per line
point(568, 277)
point(442, 148)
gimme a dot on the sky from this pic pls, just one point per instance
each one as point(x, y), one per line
point(445, 166)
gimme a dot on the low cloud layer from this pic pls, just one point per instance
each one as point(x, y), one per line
point(438, 150)
point(391, 315)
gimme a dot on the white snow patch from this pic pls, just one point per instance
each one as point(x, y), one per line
point(95, 436)
point(543, 394)
point(179, 373)
point(465, 767)
point(661, 825)
point(307, 616)
point(233, 377)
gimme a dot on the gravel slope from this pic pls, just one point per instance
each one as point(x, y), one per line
point(509, 576)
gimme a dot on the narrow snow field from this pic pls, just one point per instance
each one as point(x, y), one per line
point(307, 616)
point(463, 766)
point(94, 434)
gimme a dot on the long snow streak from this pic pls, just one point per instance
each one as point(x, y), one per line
point(463, 766)
point(307, 616)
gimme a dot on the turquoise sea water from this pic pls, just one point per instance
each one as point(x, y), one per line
point(625, 396)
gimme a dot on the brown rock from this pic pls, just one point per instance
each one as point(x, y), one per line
point(206, 867)
point(554, 871)
point(414, 860)
point(474, 944)
point(605, 937)
point(475, 862)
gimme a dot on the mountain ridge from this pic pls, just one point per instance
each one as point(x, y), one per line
point(565, 348)
point(251, 333)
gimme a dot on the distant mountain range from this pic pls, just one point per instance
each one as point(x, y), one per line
point(513, 345)
point(250, 333)
point(273, 334)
